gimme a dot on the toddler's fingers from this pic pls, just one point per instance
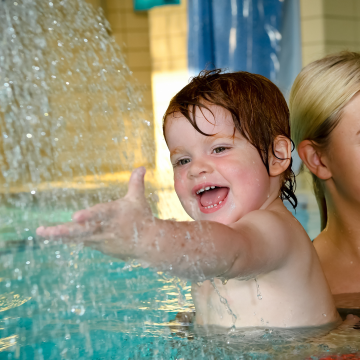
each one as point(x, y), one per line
point(69, 231)
point(51, 231)
point(40, 231)
point(97, 212)
point(136, 187)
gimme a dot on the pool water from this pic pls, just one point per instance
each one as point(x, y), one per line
point(67, 302)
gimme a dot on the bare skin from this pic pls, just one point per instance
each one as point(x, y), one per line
point(338, 245)
point(241, 233)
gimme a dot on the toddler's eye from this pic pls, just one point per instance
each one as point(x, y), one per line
point(219, 149)
point(183, 161)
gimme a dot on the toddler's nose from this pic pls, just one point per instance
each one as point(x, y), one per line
point(199, 168)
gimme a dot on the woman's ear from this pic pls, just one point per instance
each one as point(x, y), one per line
point(279, 156)
point(314, 160)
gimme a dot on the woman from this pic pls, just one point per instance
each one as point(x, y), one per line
point(325, 123)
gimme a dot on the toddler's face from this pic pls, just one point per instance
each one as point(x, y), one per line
point(219, 178)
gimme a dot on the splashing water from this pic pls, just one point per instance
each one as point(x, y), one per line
point(70, 114)
point(226, 304)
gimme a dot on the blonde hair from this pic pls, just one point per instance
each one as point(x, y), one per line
point(319, 94)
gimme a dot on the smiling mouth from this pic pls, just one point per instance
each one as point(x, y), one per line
point(212, 197)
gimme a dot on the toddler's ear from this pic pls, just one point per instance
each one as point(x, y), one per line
point(279, 162)
point(314, 160)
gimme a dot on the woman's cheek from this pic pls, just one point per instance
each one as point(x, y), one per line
point(346, 173)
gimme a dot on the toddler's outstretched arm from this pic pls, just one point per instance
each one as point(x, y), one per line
point(196, 250)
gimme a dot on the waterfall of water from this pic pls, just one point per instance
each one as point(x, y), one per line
point(70, 114)
point(72, 126)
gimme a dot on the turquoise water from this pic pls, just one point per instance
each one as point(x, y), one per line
point(66, 302)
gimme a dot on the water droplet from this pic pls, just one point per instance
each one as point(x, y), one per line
point(258, 294)
point(33, 192)
point(78, 309)
point(30, 238)
point(29, 136)
point(224, 301)
point(28, 262)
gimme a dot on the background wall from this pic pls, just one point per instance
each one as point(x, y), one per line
point(329, 26)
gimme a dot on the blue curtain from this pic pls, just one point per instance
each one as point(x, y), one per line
point(246, 35)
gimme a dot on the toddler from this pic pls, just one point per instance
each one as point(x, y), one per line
point(249, 259)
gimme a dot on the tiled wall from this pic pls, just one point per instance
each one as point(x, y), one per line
point(329, 26)
point(168, 45)
point(131, 31)
point(155, 46)
point(168, 27)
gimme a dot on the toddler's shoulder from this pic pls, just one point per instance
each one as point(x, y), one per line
point(278, 222)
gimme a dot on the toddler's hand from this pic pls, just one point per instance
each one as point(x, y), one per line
point(112, 228)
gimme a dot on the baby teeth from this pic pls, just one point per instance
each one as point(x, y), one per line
point(211, 206)
point(203, 189)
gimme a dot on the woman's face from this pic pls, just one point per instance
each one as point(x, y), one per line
point(343, 154)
